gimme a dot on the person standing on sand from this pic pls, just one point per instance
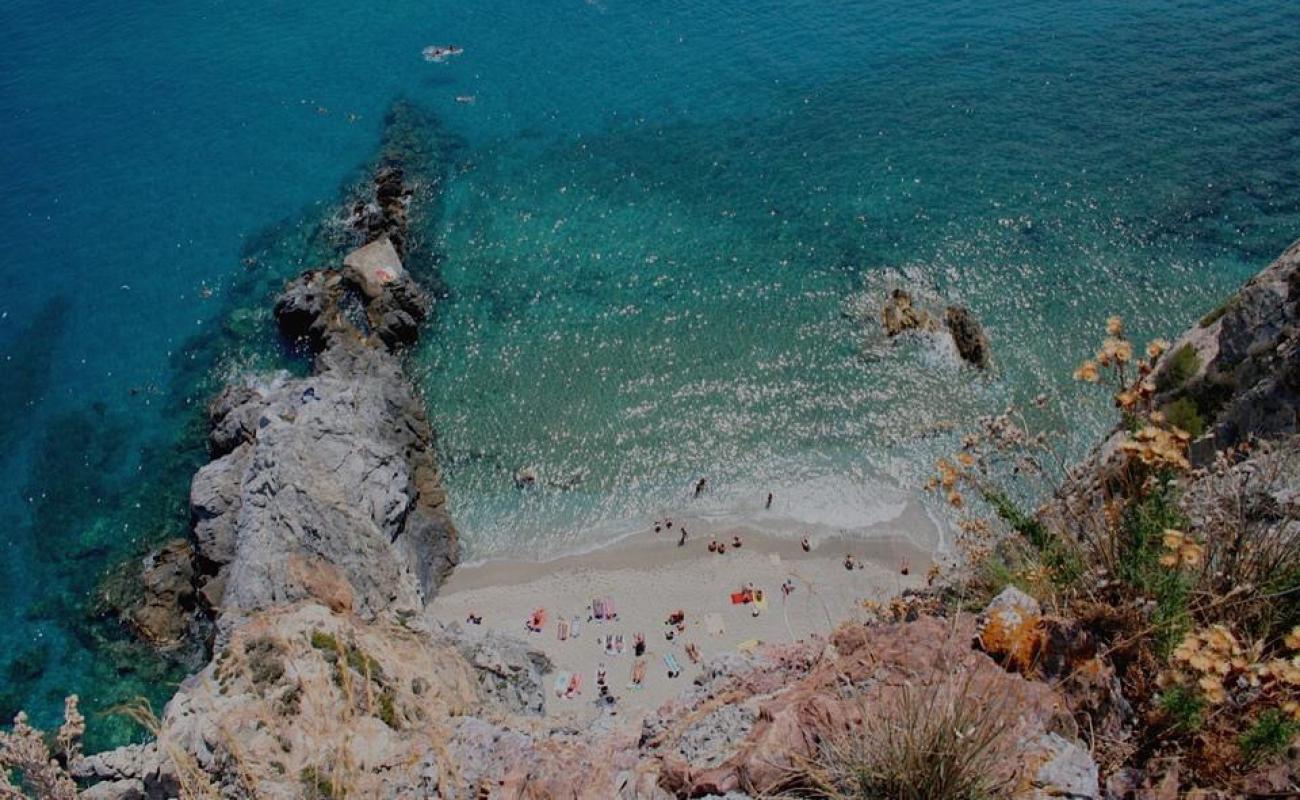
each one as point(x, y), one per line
point(699, 486)
point(769, 501)
point(682, 541)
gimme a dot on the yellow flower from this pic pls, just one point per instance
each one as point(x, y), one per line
point(1126, 399)
point(1292, 640)
point(1191, 553)
point(1114, 326)
point(1212, 686)
point(1087, 371)
point(1123, 351)
point(1156, 348)
point(1219, 638)
point(955, 500)
point(1172, 539)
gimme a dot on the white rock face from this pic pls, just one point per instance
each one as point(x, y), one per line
point(376, 265)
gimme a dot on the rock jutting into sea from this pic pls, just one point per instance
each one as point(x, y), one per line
point(329, 483)
point(902, 314)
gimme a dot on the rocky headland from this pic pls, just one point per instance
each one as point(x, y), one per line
point(320, 537)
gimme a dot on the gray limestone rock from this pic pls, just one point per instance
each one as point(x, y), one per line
point(1068, 773)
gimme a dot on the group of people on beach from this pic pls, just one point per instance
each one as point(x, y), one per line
point(568, 685)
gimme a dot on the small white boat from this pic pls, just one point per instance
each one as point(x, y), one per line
point(439, 53)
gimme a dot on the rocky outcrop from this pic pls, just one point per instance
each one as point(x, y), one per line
point(752, 729)
point(1237, 374)
point(902, 314)
point(327, 486)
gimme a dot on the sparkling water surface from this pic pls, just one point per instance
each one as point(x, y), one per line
point(665, 233)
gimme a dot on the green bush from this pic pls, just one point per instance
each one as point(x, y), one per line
point(1268, 737)
point(1185, 414)
point(1057, 555)
point(1139, 565)
point(1183, 708)
point(1182, 364)
point(1214, 316)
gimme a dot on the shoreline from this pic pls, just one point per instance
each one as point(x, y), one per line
point(648, 576)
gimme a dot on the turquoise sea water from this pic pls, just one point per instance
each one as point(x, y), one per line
point(662, 228)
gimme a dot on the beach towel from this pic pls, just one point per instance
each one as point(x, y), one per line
point(670, 661)
point(562, 630)
point(738, 597)
point(713, 624)
point(748, 646)
point(775, 558)
point(575, 685)
point(598, 608)
point(575, 628)
point(760, 600)
point(610, 612)
point(561, 683)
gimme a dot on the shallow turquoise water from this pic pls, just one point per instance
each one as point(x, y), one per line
point(662, 226)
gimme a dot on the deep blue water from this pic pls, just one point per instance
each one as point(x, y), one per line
point(662, 225)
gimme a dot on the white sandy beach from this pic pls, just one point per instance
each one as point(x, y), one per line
point(648, 576)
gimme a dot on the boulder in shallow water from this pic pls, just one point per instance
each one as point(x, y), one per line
point(968, 335)
point(901, 315)
point(168, 582)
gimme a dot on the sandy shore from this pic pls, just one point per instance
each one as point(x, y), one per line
point(648, 576)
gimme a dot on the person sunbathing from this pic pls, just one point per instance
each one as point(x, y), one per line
point(693, 653)
point(804, 543)
point(670, 661)
point(735, 541)
point(638, 674)
point(575, 685)
point(638, 645)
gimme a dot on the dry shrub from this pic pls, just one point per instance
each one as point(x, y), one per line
point(194, 782)
point(1186, 577)
point(26, 758)
point(936, 741)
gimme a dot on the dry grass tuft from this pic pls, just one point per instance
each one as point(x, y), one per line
point(938, 741)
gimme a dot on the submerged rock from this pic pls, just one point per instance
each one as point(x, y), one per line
point(162, 617)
